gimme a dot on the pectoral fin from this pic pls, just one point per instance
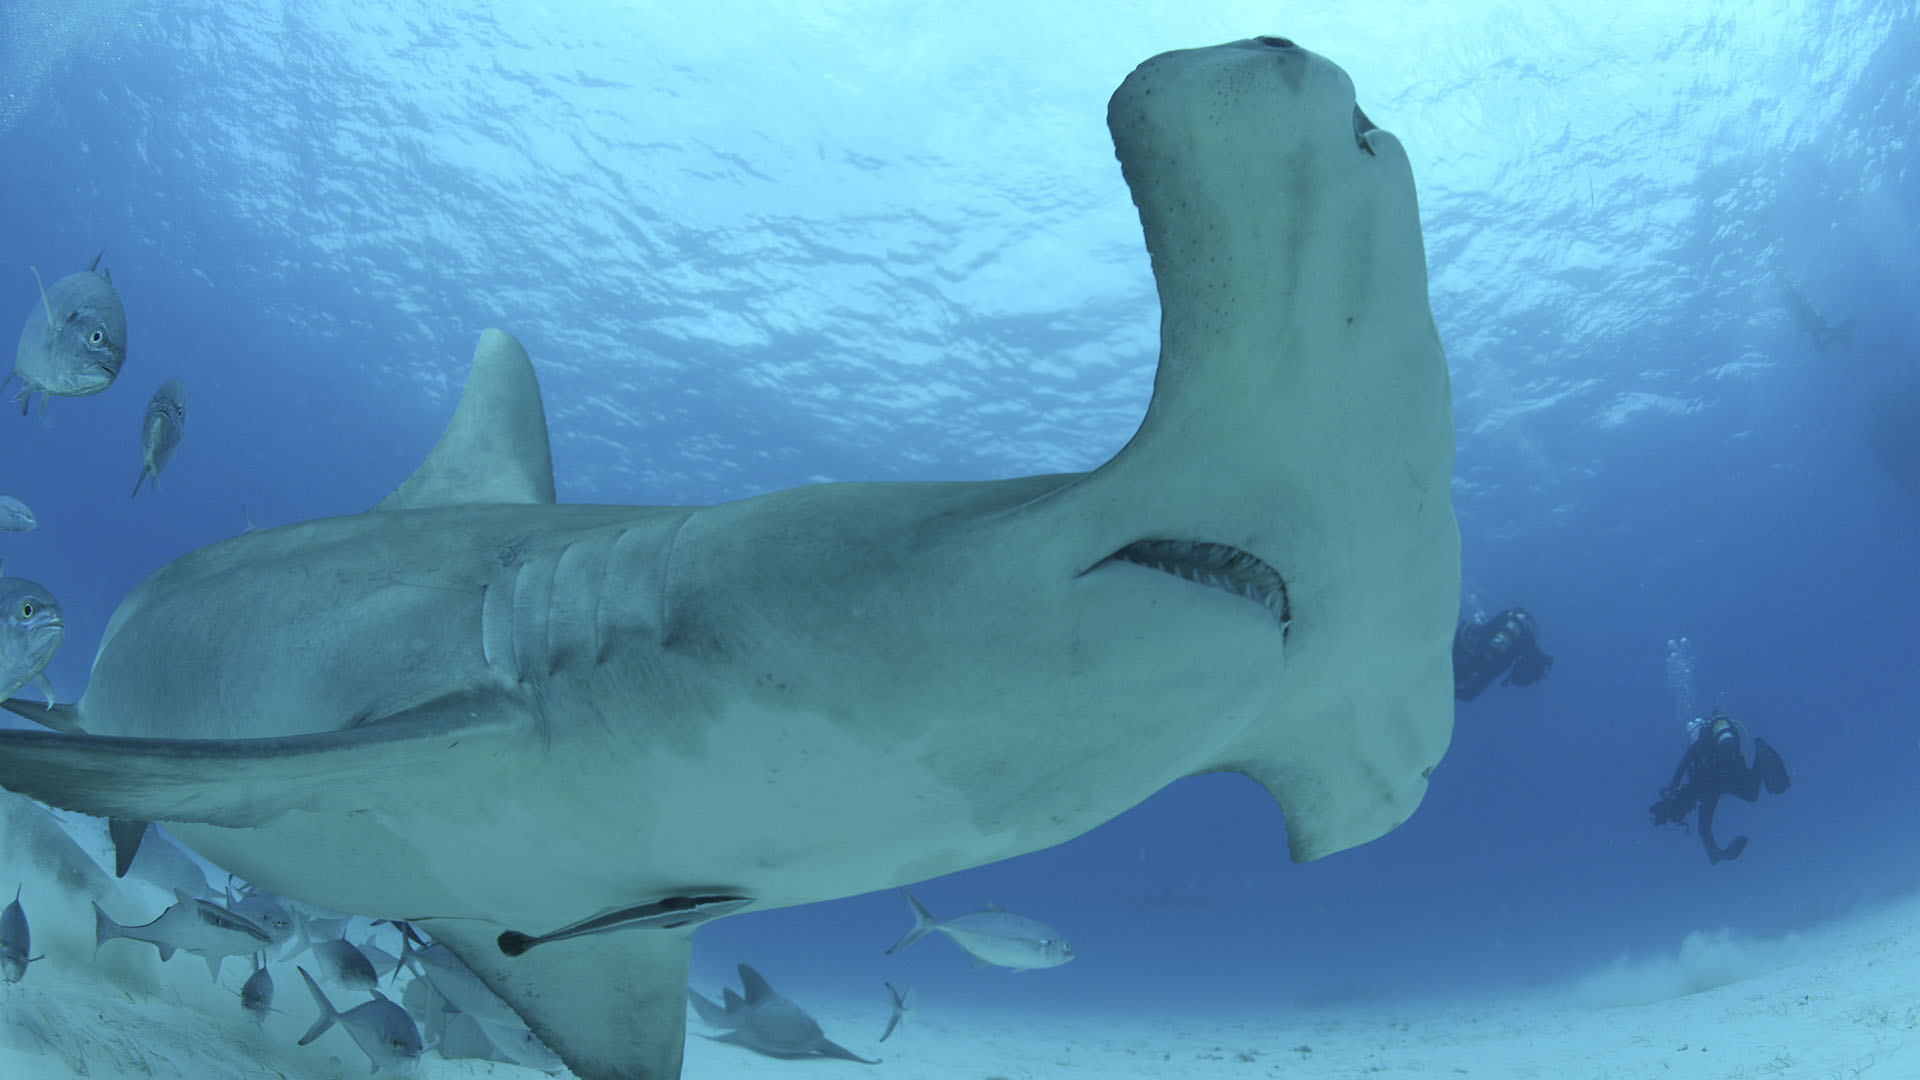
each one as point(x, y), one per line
point(613, 1006)
point(126, 837)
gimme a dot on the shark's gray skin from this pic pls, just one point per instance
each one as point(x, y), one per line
point(29, 829)
point(557, 712)
point(767, 1023)
point(74, 341)
point(160, 430)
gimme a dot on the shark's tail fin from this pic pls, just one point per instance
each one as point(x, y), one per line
point(328, 1015)
point(710, 1013)
point(923, 921)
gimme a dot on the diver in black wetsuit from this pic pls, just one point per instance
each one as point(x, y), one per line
point(1714, 766)
point(1484, 646)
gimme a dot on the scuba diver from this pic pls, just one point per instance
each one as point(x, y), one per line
point(1714, 766)
point(1484, 646)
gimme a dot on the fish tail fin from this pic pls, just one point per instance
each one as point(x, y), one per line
point(43, 298)
point(901, 1003)
point(406, 952)
point(327, 1013)
point(104, 928)
point(923, 921)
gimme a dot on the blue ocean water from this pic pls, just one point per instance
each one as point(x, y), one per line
point(751, 246)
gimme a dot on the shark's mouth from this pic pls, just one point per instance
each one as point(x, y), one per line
point(1218, 565)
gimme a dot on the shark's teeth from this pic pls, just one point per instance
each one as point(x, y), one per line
point(1221, 566)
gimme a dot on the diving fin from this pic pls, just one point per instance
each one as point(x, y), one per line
point(1731, 851)
point(1772, 770)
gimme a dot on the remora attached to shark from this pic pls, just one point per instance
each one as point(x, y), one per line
point(560, 712)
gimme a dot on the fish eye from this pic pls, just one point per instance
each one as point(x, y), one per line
point(97, 336)
point(26, 610)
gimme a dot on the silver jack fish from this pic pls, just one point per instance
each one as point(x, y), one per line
point(30, 633)
point(256, 996)
point(992, 937)
point(15, 941)
point(383, 1030)
point(160, 431)
point(343, 962)
point(74, 343)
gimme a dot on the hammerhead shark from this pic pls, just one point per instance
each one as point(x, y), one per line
point(1810, 321)
point(559, 737)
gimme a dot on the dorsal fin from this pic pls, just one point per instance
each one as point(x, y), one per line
point(754, 988)
point(44, 302)
point(495, 448)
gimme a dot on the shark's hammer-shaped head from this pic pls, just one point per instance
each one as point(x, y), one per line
point(1263, 580)
point(1300, 361)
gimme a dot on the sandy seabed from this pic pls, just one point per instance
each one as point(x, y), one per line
point(1838, 1001)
